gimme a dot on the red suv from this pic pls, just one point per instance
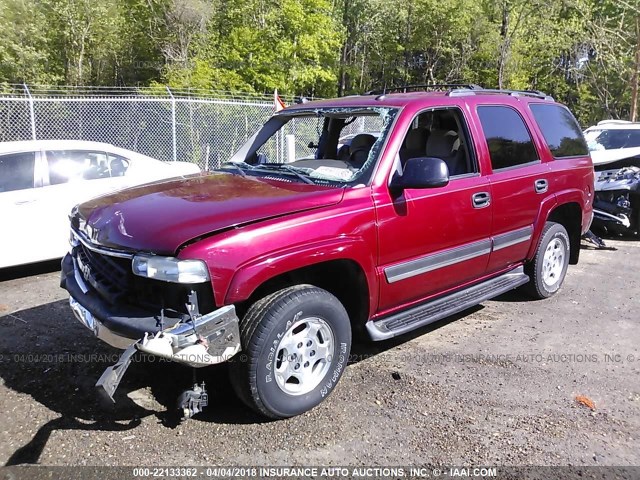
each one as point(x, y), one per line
point(438, 201)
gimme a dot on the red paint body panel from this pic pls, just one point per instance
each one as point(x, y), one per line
point(424, 222)
point(242, 259)
point(515, 205)
point(575, 188)
point(160, 217)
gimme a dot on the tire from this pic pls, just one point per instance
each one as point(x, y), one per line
point(549, 265)
point(284, 369)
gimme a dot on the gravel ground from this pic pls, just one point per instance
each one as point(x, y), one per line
point(496, 385)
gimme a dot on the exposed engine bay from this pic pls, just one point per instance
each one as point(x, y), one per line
point(617, 197)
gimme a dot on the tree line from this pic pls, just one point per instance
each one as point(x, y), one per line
point(586, 53)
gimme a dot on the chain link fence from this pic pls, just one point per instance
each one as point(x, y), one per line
point(192, 126)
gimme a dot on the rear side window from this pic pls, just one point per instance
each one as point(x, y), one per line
point(507, 137)
point(560, 131)
point(72, 165)
point(16, 171)
point(117, 165)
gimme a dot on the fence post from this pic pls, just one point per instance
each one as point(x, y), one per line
point(173, 123)
point(31, 112)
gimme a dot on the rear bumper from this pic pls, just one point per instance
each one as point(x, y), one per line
point(213, 339)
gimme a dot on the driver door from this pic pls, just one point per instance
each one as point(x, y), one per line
point(435, 239)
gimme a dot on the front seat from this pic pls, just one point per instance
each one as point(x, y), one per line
point(359, 149)
point(443, 144)
point(414, 144)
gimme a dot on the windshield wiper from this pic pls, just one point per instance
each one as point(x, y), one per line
point(242, 166)
point(239, 166)
point(287, 168)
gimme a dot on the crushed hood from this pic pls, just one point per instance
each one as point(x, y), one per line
point(160, 217)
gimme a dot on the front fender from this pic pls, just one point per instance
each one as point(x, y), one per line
point(251, 275)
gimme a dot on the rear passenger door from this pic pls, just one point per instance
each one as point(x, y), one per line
point(519, 180)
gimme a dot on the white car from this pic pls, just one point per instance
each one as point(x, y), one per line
point(613, 140)
point(41, 181)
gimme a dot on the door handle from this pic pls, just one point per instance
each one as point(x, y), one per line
point(541, 185)
point(24, 202)
point(481, 199)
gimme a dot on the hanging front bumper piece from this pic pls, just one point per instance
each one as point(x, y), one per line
point(195, 340)
point(201, 341)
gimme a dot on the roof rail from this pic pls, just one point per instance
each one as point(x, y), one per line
point(514, 93)
point(423, 88)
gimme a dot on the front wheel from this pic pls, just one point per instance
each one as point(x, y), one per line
point(549, 265)
point(296, 344)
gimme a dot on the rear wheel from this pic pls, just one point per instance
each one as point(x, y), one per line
point(549, 265)
point(296, 344)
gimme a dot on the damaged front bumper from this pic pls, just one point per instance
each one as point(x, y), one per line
point(195, 340)
point(203, 340)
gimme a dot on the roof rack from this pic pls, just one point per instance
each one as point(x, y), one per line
point(459, 92)
point(422, 88)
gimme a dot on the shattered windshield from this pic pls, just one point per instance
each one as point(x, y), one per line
point(612, 139)
point(319, 146)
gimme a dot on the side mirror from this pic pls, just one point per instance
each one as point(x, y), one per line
point(422, 172)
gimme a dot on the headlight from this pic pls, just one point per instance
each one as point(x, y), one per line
point(170, 269)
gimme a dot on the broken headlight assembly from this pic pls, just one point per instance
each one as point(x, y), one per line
point(170, 269)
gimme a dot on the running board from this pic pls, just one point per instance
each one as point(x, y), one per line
point(442, 307)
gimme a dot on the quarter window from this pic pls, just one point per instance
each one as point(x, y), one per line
point(16, 171)
point(507, 137)
point(560, 131)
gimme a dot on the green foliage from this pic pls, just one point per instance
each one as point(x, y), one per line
point(259, 46)
point(25, 47)
point(580, 51)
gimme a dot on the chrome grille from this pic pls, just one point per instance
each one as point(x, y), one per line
point(110, 276)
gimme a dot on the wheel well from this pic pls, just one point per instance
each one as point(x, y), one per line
point(569, 215)
point(343, 278)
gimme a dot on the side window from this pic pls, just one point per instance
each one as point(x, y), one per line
point(16, 171)
point(117, 165)
point(439, 133)
point(560, 130)
point(507, 137)
point(73, 165)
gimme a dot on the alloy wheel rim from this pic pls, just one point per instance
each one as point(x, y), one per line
point(553, 262)
point(303, 356)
